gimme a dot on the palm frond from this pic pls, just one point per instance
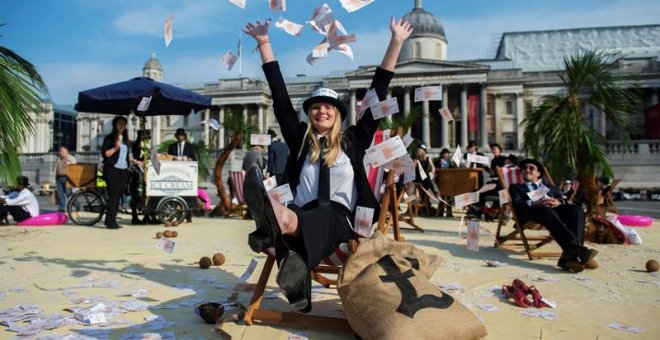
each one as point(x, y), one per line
point(21, 93)
point(556, 130)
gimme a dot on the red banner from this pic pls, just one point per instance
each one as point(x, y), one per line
point(473, 113)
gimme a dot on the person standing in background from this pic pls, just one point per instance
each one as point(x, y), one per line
point(183, 150)
point(115, 167)
point(61, 168)
point(278, 153)
point(254, 157)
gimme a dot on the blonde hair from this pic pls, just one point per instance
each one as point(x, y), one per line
point(334, 141)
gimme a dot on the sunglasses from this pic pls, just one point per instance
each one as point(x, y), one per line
point(530, 167)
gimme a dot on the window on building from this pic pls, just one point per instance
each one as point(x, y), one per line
point(510, 141)
point(509, 107)
point(417, 50)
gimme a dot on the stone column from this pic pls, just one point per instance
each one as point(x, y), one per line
point(406, 101)
point(444, 125)
point(260, 118)
point(206, 127)
point(495, 117)
point(389, 95)
point(221, 132)
point(520, 115)
point(245, 113)
point(464, 116)
point(483, 123)
point(79, 130)
point(352, 112)
point(426, 124)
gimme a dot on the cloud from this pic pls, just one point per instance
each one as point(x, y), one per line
point(66, 79)
point(191, 19)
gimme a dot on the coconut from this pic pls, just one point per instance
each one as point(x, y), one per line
point(175, 233)
point(218, 259)
point(159, 234)
point(205, 262)
point(167, 233)
point(592, 264)
point(167, 224)
point(652, 266)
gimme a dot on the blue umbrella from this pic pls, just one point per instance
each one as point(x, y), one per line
point(124, 97)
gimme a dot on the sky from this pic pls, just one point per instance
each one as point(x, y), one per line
point(81, 44)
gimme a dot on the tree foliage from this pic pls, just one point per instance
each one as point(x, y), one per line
point(21, 92)
point(558, 132)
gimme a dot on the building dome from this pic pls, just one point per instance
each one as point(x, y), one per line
point(424, 23)
point(152, 69)
point(153, 63)
point(428, 40)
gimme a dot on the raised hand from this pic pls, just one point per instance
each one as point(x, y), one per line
point(258, 31)
point(400, 29)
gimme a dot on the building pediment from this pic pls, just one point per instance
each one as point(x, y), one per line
point(424, 67)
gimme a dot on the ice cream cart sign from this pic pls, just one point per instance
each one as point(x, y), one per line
point(175, 179)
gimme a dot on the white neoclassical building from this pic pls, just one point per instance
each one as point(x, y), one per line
point(488, 98)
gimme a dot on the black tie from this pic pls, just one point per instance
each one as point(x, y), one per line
point(535, 186)
point(324, 175)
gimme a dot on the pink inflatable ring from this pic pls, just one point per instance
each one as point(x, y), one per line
point(48, 219)
point(635, 220)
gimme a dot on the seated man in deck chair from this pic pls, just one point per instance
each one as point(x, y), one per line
point(565, 222)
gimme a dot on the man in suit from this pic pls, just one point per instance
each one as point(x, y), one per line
point(278, 153)
point(565, 222)
point(182, 149)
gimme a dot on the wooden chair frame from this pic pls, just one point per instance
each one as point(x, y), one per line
point(389, 204)
point(518, 234)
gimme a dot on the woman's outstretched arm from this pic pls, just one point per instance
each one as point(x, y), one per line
point(401, 30)
point(259, 32)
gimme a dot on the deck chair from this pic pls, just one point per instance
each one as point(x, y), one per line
point(512, 175)
point(329, 265)
point(236, 181)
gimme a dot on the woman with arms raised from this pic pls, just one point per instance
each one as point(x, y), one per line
point(324, 170)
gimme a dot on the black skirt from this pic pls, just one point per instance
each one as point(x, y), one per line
point(322, 227)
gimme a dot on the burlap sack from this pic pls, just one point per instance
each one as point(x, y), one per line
point(386, 294)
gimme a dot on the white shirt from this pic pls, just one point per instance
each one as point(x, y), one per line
point(342, 182)
point(121, 162)
point(24, 199)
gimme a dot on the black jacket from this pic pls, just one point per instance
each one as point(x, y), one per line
point(278, 153)
point(519, 198)
point(358, 137)
point(109, 143)
point(188, 150)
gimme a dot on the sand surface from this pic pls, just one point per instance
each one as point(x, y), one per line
point(48, 266)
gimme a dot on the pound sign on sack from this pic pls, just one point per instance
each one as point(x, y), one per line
point(410, 302)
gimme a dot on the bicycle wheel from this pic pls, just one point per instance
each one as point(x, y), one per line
point(172, 209)
point(85, 207)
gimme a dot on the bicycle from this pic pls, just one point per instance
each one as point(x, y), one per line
point(87, 206)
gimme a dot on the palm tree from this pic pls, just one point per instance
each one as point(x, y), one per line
point(237, 128)
point(558, 129)
point(21, 91)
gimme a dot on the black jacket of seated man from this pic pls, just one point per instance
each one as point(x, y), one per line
point(565, 222)
point(188, 148)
